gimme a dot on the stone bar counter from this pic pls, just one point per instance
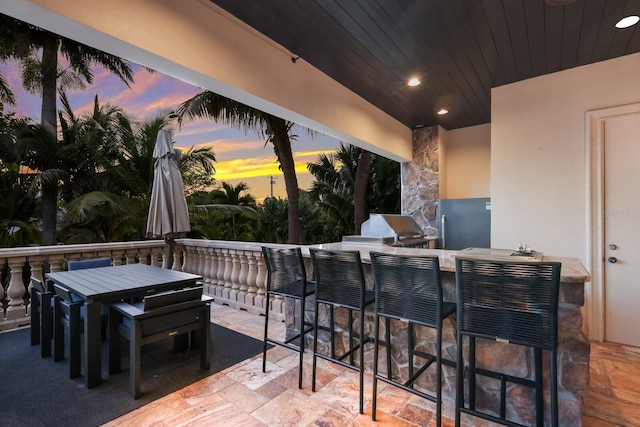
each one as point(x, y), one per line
point(573, 346)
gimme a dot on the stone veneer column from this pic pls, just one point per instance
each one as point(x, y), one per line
point(421, 180)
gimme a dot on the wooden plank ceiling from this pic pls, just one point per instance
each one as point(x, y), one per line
point(460, 49)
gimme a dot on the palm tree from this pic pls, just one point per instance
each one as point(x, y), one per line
point(9, 46)
point(334, 185)
point(228, 213)
point(38, 52)
point(39, 150)
point(116, 206)
point(6, 95)
point(384, 195)
point(98, 207)
point(353, 182)
point(360, 185)
point(232, 195)
point(273, 220)
point(276, 130)
point(17, 204)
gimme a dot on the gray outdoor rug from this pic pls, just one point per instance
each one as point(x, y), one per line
point(38, 392)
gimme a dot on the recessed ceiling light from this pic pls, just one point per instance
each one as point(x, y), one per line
point(628, 21)
point(414, 81)
point(443, 111)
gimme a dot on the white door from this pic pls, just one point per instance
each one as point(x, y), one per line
point(622, 229)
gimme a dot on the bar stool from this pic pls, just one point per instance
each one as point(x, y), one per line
point(513, 302)
point(340, 283)
point(409, 289)
point(286, 277)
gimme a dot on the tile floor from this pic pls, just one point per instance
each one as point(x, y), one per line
point(244, 396)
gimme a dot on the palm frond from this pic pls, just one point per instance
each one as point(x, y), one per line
point(88, 205)
point(243, 210)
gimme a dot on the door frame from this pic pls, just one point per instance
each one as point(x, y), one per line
point(595, 293)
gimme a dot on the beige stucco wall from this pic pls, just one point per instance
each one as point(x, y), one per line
point(538, 154)
point(466, 162)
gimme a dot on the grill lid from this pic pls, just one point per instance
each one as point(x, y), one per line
point(400, 227)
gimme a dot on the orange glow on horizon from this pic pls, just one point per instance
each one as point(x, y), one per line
point(261, 166)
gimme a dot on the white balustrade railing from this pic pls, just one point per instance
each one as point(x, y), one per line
point(234, 273)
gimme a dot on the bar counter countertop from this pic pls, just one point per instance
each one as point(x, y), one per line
point(572, 268)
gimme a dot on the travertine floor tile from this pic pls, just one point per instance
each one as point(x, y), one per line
point(251, 375)
point(290, 409)
point(342, 394)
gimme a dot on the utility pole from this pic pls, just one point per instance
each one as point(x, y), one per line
point(272, 180)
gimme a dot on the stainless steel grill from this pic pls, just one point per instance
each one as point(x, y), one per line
point(391, 230)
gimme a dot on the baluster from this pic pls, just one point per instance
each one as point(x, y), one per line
point(144, 256)
point(16, 308)
point(211, 271)
point(157, 257)
point(35, 261)
point(131, 255)
point(196, 258)
point(260, 283)
point(206, 267)
point(202, 261)
point(56, 262)
point(228, 268)
point(165, 257)
point(213, 267)
point(119, 258)
point(235, 275)
point(178, 250)
point(220, 272)
point(242, 276)
point(190, 263)
point(193, 258)
point(203, 264)
point(251, 279)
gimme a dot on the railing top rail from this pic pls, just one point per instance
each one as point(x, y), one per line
point(247, 246)
point(63, 249)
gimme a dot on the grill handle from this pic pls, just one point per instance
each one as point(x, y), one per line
point(443, 222)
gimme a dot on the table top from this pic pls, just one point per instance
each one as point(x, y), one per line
point(122, 281)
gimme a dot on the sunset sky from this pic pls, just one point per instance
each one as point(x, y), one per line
point(239, 157)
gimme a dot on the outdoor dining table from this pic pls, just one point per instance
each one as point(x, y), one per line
point(108, 284)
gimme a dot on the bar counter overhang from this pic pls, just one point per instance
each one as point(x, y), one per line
point(573, 346)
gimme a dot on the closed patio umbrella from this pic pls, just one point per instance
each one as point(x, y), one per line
point(168, 213)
